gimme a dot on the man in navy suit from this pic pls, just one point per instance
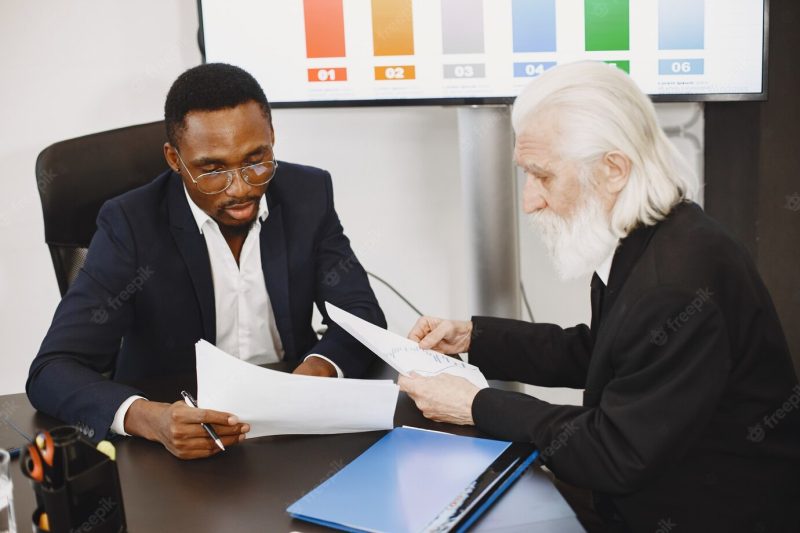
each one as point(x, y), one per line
point(230, 246)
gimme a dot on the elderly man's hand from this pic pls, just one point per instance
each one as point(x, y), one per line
point(442, 398)
point(445, 336)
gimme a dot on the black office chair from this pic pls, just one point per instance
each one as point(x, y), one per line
point(76, 176)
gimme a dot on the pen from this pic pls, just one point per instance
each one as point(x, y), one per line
point(189, 399)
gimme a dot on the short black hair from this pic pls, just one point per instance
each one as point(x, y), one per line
point(210, 87)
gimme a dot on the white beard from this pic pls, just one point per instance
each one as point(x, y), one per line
point(578, 246)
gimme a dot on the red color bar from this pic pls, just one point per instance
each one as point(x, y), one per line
point(324, 28)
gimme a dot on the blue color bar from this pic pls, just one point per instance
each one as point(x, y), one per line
point(534, 25)
point(681, 67)
point(530, 69)
point(681, 24)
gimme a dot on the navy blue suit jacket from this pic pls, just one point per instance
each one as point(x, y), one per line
point(145, 295)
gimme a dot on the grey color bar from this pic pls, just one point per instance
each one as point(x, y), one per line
point(462, 26)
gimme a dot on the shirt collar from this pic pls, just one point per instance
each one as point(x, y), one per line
point(202, 218)
point(604, 270)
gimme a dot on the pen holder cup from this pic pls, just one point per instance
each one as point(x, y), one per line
point(90, 498)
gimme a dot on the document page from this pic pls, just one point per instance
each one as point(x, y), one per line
point(402, 354)
point(277, 403)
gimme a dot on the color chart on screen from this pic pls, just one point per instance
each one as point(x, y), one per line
point(307, 51)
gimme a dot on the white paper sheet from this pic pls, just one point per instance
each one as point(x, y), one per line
point(277, 403)
point(402, 354)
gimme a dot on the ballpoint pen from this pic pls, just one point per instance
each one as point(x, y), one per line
point(190, 401)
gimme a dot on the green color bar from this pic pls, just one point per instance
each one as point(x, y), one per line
point(607, 25)
point(622, 65)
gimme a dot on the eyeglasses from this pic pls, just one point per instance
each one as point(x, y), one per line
point(215, 182)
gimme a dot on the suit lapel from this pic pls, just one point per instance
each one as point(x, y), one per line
point(193, 248)
point(627, 255)
point(274, 263)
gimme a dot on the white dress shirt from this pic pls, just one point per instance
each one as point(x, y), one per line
point(245, 321)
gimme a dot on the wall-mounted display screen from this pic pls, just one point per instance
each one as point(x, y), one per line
point(349, 52)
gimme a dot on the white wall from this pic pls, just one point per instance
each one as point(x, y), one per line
point(68, 69)
point(84, 66)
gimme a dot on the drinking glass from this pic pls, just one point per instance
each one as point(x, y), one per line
point(7, 522)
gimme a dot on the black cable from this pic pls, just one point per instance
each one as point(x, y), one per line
point(420, 313)
point(412, 306)
point(525, 300)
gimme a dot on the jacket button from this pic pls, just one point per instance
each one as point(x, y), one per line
point(91, 433)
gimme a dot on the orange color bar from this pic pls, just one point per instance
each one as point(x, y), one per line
point(395, 72)
point(324, 28)
point(392, 28)
point(327, 74)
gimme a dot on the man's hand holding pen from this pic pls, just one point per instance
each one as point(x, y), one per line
point(179, 427)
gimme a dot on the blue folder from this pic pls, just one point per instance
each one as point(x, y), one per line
point(416, 480)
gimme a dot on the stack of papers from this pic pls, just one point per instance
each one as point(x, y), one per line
point(277, 403)
point(404, 355)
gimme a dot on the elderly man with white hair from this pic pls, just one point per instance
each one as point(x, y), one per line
point(691, 411)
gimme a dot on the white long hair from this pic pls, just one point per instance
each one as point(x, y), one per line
point(600, 109)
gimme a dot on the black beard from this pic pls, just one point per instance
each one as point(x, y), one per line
point(238, 230)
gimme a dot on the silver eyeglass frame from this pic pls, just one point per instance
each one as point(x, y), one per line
point(229, 174)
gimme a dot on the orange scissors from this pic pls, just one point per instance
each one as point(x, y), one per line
point(37, 462)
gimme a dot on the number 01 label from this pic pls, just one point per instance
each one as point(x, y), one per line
point(327, 74)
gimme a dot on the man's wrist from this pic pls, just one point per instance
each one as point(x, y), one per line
point(118, 424)
point(141, 416)
point(317, 366)
point(338, 371)
point(470, 326)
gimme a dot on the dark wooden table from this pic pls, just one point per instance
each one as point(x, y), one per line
point(249, 487)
